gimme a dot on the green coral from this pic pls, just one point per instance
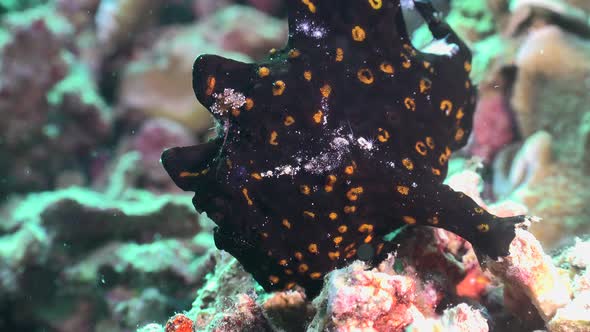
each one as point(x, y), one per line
point(471, 15)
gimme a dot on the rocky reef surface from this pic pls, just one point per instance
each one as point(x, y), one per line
point(95, 237)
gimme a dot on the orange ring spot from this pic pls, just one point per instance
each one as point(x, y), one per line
point(305, 190)
point(446, 106)
point(353, 194)
point(313, 248)
point(376, 4)
point(286, 223)
point(326, 90)
point(349, 170)
point(407, 62)
point(289, 120)
point(403, 190)
point(366, 76)
point(408, 164)
point(410, 103)
point(409, 220)
point(350, 209)
point(278, 88)
point(294, 53)
point(211, 81)
point(339, 54)
point(273, 138)
point(483, 228)
point(421, 148)
point(309, 5)
point(317, 117)
point(315, 275)
point(249, 104)
point(430, 142)
point(298, 255)
point(383, 136)
point(433, 221)
point(247, 197)
point(468, 66)
point(387, 68)
point(425, 85)
point(365, 228)
point(263, 72)
point(459, 134)
point(334, 255)
point(358, 34)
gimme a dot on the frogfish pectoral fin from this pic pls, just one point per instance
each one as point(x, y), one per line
point(456, 212)
point(496, 241)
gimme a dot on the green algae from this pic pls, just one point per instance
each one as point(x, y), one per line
point(137, 202)
point(55, 22)
point(471, 15)
point(484, 52)
point(79, 81)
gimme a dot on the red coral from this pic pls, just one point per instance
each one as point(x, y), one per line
point(179, 323)
point(474, 285)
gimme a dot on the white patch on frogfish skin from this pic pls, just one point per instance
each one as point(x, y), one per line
point(330, 158)
point(441, 47)
point(326, 109)
point(310, 29)
point(365, 144)
point(226, 101)
point(288, 170)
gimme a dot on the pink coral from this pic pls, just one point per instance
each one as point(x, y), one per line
point(369, 300)
point(528, 270)
point(461, 318)
point(493, 126)
point(204, 8)
point(155, 136)
point(229, 28)
point(48, 127)
point(267, 6)
point(31, 65)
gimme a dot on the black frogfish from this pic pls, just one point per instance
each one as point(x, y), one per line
point(333, 142)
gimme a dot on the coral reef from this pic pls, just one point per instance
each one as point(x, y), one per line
point(53, 118)
point(460, 318)
point(112, 249)
point(536, 155)
point(355, 298)
point(157, 82)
